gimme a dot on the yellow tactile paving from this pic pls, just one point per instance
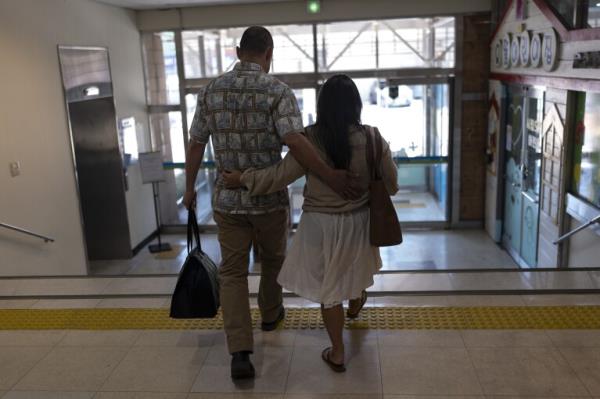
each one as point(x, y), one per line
point(429, 318)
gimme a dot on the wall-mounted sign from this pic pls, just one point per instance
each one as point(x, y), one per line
point(506, 41)
point(535, 53)
point(550, 50)
point(515, 52)
point(528, 50)
point(525, 48)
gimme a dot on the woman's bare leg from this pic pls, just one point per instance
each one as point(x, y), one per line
point(334, 322)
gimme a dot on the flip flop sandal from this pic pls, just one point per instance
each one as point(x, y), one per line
point(363, 300)
point(338, 368)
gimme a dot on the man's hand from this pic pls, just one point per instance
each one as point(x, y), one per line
point(189, 200)
point(232, 179)
point(344, 183)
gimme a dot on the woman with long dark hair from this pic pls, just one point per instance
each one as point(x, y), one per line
point(330, 259)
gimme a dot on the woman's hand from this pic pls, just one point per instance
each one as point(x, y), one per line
point(232, 179)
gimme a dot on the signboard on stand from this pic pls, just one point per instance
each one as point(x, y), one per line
point(151, 166)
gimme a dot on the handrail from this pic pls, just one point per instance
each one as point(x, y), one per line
point(428, 160)
point(577, 230)
point(29, 233)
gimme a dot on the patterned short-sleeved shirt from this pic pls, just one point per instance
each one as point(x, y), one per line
point(247, 113)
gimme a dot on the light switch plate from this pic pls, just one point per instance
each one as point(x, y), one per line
point(15, 169)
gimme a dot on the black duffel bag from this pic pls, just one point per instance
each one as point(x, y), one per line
point(197, 291)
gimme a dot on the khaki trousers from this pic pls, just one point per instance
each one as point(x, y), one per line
point(236, 233)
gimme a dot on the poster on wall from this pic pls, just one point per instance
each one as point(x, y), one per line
point(493, 134)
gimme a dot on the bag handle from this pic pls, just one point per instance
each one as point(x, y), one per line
point(374, 153)
point(193, 231)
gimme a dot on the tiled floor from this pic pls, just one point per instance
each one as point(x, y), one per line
point(382, 364)
point(385, 364)
point(421, 250)
point(418, 207)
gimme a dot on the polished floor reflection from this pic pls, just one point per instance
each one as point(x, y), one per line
point(421, 250)
point(418, 207)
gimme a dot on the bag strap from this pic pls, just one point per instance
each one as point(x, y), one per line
point(193, 231)
point(374, 153)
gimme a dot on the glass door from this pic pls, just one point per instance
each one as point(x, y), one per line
point(307, 102)
point(532, 167)
point(523, 174)
point(414, 119)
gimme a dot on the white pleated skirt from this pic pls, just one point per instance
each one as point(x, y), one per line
point(330, 259)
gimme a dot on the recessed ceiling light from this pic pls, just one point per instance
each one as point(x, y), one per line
point(597, 4)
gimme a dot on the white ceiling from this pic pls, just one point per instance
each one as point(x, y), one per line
point(159, 4)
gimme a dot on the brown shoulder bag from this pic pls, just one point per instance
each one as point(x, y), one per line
point(384, 228)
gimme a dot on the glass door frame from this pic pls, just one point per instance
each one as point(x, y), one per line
point(314, 79)
point(433, 160)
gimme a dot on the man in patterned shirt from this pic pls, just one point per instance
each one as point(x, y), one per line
point(249, 115)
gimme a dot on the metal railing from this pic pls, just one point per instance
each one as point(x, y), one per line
point(577, 230)
point(427, 160)
point(27, 232)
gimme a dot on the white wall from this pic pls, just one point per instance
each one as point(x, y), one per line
point(34, 128)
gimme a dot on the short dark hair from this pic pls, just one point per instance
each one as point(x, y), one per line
point(256, 40)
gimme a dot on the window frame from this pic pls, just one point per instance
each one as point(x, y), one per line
point(315, 79)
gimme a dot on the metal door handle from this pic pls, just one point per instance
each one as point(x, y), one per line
point(530, 198)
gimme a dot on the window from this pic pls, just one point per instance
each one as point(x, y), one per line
point(307, 102)
point(373, 52)
point(593, 14)
point(160, 62)
point(128, 140)
point(202, 53)
point(167, 135)
point(293, 50)
point(414, 120)
point(208, 53)
point(566, 9)
point(587, 148)
point(386, 44)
